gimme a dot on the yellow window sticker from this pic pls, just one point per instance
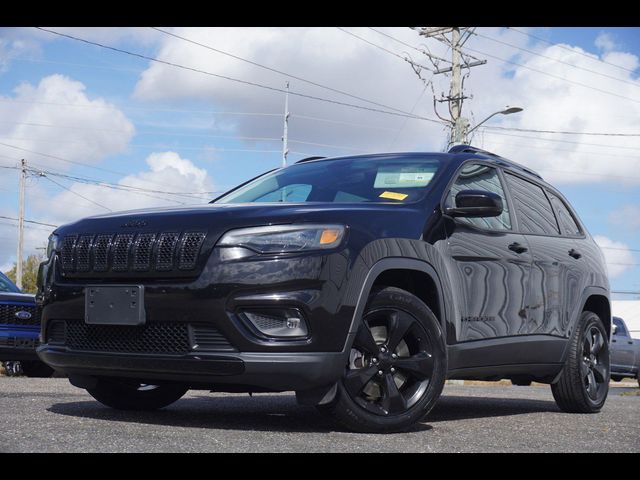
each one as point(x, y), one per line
point(393, 195)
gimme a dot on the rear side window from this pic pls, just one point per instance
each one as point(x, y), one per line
point(568, 224)
point(481, 177)
point(532, 207)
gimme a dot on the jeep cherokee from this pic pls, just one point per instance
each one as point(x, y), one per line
point(360, 282)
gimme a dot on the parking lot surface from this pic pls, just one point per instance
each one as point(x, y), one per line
point(50, 415)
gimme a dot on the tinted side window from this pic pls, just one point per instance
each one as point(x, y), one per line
point(481, 177)
point(568, 224)
point(532, 207)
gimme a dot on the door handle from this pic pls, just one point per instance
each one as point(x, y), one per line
point(574, 253)
point(630, 343)
point(518, 248)
point(613, 341)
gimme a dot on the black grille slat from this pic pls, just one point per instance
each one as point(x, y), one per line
point(190, 249)
point(56, 331)
point(83, 246)
point(67, 256)
point(127, 254)
point(121, 245)
point(161, 338)
point(142, 250)
point(165, 252)
point(101, 253)
point(207, 338)
point(8, 314)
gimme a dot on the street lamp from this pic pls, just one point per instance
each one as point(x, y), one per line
point(507, 111)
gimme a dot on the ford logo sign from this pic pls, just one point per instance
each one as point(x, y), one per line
point(22, 315)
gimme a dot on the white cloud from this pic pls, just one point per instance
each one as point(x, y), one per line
point(617, 255)
point(87, 132)
point(13, 46)
point(331, 57)
point(604, 41)
point(168, 172)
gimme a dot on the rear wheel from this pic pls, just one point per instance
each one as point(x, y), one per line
point(397, 366)
point(584, 383)
point(36, 369)
point(123, 394)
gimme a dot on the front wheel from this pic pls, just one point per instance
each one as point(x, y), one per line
point(124, 394)
point(397, 366)
point(584, 382)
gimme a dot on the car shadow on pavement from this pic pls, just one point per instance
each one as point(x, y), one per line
point(450, 408)
point(281, 412)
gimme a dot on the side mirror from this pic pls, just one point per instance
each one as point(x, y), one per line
point(476, 203)
point(614, 330)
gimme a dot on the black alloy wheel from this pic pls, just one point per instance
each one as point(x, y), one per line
point(391, 364)
point(397, 365)
point(583, 384)
point(595, 365)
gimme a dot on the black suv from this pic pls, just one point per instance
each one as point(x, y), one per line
point(360, 282)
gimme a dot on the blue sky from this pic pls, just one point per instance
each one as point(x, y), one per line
point(169, 130)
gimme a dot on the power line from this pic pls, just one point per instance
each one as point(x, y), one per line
point(135, 107)
point(635, 84)
point(77, 194)
point(30, 221)
point(556, 140)
point(237, 80)
point(542, 72)
point(280, 72)
point(385, 50)
point(426, 51)
point(570, 49)
point(562, 132)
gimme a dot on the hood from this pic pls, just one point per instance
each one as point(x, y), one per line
point(176, 242)
point(218, 218)
point(11, 297)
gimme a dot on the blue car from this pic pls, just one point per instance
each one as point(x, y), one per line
point(19, 329)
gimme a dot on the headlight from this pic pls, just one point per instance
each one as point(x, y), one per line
point(285, 238)
point(52, 245)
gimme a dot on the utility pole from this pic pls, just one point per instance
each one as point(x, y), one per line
point(459, 60)
point(23, 177)
point(285, 145)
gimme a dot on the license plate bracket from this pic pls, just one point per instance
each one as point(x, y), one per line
point(114, 305)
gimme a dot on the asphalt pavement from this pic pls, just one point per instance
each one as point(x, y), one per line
point(50, 415)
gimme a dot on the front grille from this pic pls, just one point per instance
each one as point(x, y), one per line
point(19, 342)
point(8, 314)
point(129, 253)
point(161, 338)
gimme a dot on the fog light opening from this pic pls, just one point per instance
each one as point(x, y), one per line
point(277, 322)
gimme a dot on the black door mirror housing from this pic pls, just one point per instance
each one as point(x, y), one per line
point(475, 204)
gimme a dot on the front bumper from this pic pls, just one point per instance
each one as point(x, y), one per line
point(270, 371)
point(18, 342)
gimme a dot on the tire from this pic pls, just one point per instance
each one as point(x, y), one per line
point(124, 394)
point(401, 337)
point(584, 382)
point(36, 369)
point(616, 378)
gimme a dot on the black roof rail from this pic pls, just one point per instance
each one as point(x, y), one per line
point(308, 159)
point(469, 149)
point(509, 163)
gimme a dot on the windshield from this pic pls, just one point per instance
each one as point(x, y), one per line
point(7, 285)
point(359, 179)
